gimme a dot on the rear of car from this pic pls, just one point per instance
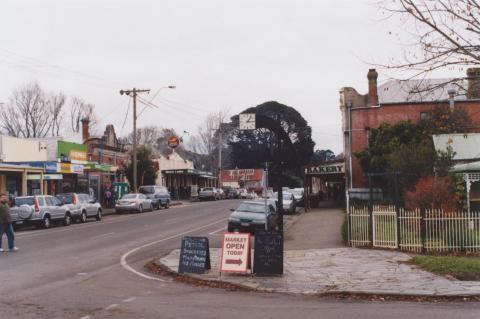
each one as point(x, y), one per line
point(41, 211)
point(207, 193)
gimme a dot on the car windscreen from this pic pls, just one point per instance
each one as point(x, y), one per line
point(129, 196)
point(65, 198)
point(207, 189)
point(24, 201)
point(147, 190)
point(252, 208)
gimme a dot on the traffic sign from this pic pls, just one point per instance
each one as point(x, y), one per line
point(235, 253)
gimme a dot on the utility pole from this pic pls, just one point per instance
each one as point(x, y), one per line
point(133, 93)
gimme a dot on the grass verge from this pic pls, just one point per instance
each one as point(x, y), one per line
point(461, 268)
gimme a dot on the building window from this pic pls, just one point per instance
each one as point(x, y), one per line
point(423, 116)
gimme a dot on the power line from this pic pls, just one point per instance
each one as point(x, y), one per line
point(126, 115)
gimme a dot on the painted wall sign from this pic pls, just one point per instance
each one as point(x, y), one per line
point(235, 253)
point(194, 255)
point(338, 168)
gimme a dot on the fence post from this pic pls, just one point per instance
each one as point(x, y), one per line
point(423, 229)
point(370, 209)
point(397, 207)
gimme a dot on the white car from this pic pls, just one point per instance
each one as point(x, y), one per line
point(289, 203)
point(134, 202)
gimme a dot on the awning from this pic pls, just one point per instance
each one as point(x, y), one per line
point(46, 177)
point(467, 167)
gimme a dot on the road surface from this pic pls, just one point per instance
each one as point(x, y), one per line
point(95, 270)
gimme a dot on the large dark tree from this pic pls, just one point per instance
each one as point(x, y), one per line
point(251, 149)
point(146, 174)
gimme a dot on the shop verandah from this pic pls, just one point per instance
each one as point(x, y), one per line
point(14, 180)
point(185, 183)
point(324, 182)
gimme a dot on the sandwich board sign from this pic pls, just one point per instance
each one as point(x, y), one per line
point(194, 255)
point(235, 253)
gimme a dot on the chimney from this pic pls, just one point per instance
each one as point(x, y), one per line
point(85, 125)
point(473, 76)
point(372, 98)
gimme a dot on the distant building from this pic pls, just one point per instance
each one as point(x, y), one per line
point(395, 101)
point(107, 159)
point(252, 179)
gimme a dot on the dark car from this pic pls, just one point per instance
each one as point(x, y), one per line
point(251, 215)
point(159, 195)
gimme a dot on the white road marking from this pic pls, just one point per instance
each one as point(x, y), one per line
point(113, 305)
point(86, 317)
point(82, 274)
point(103, 235)
point(216, 231)
point(129, 299)
point(123, 260)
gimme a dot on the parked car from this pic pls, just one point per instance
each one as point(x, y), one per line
point(233, 194)
point(251, 215)
point(136, 202)
point(81, 206)
point(270, 201)
point(221, 194)
point(298, 193)
point(289, 203)
point(243, 193)
point(251, 195)
point(41, 211)
point(208, 193)
point(159, 195)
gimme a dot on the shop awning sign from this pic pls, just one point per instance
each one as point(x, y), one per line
point(235, 253)
point(337, 168)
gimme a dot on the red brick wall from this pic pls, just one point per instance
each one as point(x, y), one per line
point(372, 117)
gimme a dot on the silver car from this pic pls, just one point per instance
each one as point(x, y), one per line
point(208, 193)
point(82, 206)
point(40, 211)
point(289, 202)
point(134, 202)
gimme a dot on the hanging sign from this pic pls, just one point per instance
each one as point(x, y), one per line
point(235, 253)
point(173, 141)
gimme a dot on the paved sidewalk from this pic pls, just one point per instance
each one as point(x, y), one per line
point(339, 270)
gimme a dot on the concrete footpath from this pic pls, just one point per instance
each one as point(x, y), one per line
point(316, 262)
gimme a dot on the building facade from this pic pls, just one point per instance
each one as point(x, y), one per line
point(396, 101)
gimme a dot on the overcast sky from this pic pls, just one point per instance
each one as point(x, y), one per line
point(219, 53)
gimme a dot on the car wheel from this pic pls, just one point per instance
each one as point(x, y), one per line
point(83, 217)
point(167, 204)
point(140, 209)
point(98, 217)
point(46, 223)
point(67, 221)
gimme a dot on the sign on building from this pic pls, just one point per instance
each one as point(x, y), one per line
point(235, 253)
point(337, 168)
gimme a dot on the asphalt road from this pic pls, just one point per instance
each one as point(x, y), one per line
point(76, 272)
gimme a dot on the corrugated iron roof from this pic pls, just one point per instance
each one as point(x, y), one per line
point(465, 146)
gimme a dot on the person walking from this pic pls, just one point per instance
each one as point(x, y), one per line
point(6, 224)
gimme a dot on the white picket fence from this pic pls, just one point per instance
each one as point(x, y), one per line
point(410, 230)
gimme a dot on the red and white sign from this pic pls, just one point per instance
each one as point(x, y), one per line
point(235, 252)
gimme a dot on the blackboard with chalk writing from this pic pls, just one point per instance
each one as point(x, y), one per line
point(268, 253)
point(194, 255)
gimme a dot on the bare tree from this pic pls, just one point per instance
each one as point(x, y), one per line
point(56, 103)
point(79, 110)
point(27, 113)
point(206, 140)
point(445, 34)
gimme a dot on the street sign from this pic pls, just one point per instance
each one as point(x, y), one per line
point(268, 253)
point(173, 141)
point(194, 255)
point(235, 253)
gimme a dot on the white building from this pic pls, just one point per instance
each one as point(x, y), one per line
point(171, 162)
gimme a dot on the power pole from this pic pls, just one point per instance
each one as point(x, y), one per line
point(133, 93)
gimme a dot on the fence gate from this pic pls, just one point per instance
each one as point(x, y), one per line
point(385, 227)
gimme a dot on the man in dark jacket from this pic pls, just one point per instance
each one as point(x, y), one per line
point(6, 224)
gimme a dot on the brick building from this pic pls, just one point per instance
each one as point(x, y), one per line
point(395, 101)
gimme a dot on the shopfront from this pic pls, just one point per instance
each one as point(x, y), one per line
point(14, 179)
point(185, 183)
point(324, 182)
point(99, 177)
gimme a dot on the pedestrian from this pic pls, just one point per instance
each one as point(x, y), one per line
point(6, 224)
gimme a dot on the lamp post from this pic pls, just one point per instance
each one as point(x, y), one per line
point(348, 111)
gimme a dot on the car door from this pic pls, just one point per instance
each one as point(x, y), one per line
point(145, 201)
point(91, 207)
point(52, 207)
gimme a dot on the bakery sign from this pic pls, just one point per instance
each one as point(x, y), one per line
point(337, 168)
